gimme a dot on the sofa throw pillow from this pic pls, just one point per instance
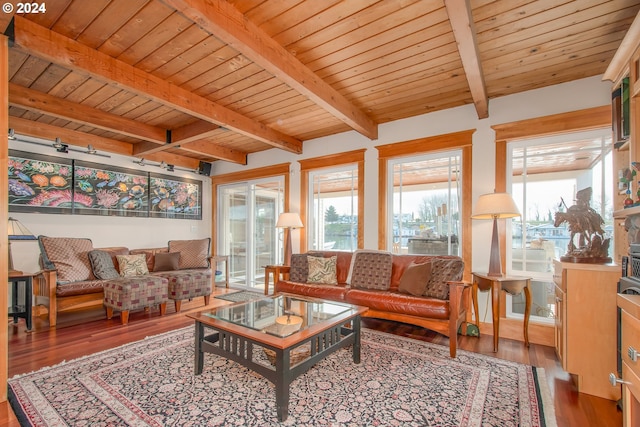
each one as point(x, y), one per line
point(166, 261)
point(299, 269)
point(69, 256)
point(102, 265)
point(322, 270)
point(443, 270)
point(132, 265)
point(193, 253)
point(415, 278)
point(370, 270)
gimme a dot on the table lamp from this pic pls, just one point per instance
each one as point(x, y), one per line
point(495, 206)
point(288, 221)
point(17, 231)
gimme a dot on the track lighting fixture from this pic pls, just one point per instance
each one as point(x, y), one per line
point(140, 162)
point(12, 134)
point(91, 150)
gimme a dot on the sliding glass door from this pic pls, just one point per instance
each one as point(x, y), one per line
point(248, 212)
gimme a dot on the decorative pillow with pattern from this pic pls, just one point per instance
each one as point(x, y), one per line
point(299, 270)
point(443, 270)
point(102, 265)
point(132, 265)
point(415, 278)
point(193, 253)
point(370, 270)
point(322, 270)
point(69, 256)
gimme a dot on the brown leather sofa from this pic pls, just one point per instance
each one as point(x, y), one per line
point(444, 316)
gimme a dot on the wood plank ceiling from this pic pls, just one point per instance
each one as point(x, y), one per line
point(184, 81)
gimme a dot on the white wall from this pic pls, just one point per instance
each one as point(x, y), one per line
point(576, 95)
point(107, 230)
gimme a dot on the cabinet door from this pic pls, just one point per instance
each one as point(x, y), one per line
point(560, 327)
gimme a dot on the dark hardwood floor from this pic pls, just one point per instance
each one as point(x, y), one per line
point(88, 331)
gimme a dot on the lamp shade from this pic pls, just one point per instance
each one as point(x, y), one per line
point(289, 220)
point(17, 231)
point(495, 206)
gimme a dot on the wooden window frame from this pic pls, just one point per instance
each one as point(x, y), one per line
point(333, 160)
point(452, 141)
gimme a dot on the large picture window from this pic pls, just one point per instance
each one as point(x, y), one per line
point(545, 174)
point(425, 196)
point(332, 202)
point(424, 204)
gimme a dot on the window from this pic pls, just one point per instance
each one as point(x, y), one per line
point(425, 195)
point(545, 174)
point(332, 202)
point(424, 204)
point(332, 222)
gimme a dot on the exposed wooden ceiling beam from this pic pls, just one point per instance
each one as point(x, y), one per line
point(225, 22)
point(210, 149)
point(46, 104)
point(81, 139)
point(61, 50)
point(459, 12)
point(192, 138)
point(193, 132)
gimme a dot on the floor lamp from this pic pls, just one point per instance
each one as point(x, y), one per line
point(288, 221)
point(495, 206)
point(17, 231)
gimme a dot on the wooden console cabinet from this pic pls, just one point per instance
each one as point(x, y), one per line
point(630, 330)
point(586, 325)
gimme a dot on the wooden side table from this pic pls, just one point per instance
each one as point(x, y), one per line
point(215, 259)
point(21, 308)
point(513, 285)
point(276, 271)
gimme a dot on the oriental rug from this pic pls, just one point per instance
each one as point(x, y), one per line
point(400, 382)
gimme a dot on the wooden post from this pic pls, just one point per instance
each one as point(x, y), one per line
point(4, 195)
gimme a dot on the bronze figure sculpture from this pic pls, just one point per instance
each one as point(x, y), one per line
point(587, 242)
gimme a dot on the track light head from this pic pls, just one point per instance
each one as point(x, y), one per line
point(12, 134)
point(91, 150)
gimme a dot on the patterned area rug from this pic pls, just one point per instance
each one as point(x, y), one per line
point(241, 296)
point(400, 382)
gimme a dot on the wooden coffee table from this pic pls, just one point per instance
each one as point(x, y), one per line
point(244, 330)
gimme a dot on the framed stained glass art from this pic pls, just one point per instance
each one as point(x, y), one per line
point(49, 184)
point(40, 183)
point(112, 191)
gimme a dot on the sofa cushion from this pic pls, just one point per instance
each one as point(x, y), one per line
point(166, 261)
point(443, 270)
point(83, 287)
point(330, 292)
point(370, 270)
point(193, 253)
point(415, 278)
point(322, 270)
point(69, 256)
point(395, 302)
point(132, 265)
point(102, 265)
point(299, 269)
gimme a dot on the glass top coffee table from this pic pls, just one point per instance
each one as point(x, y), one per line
point(295, 331)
